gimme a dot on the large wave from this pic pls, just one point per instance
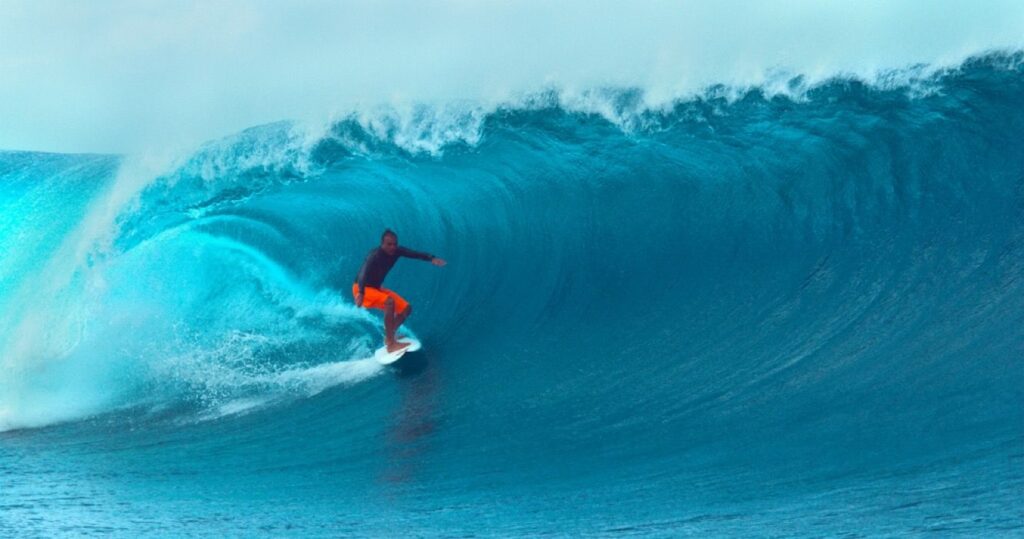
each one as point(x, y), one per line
point(829, 274)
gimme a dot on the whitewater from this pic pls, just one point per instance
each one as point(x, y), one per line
point(793, 308)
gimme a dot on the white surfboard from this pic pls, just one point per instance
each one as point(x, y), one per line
point(386, 358)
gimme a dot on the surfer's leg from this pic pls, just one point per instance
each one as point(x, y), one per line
point(400, 318)
point(390, 326)
point(389, 322)
point(400, 311)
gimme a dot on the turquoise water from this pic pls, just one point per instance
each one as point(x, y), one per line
point(765, 314)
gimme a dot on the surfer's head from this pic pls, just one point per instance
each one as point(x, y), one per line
point(389, 241)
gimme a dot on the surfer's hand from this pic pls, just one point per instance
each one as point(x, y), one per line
point(439, 262)
point(359, 300)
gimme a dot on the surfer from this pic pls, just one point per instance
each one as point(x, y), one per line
point(369, 293)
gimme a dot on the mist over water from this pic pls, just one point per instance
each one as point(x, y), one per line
point(125, 77)
point(793, 307)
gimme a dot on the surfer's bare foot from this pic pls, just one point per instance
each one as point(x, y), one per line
point(396, 346)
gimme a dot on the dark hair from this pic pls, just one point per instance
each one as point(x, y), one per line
point(389, 232)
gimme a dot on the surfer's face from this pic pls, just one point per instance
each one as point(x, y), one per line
point(389, 244)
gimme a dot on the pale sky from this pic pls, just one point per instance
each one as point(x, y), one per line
point(129, 75)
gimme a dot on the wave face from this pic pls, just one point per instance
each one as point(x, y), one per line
point(750, 311)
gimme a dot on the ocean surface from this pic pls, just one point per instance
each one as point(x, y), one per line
point(784, 311)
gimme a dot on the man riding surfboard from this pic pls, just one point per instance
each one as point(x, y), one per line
point(369, 293)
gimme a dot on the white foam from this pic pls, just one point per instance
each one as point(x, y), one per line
point(298, 382)
point(312, 380)
point(425, 129)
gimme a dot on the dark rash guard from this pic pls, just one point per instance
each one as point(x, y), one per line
point(378, 264)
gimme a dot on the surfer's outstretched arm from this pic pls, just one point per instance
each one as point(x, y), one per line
point(409, 253)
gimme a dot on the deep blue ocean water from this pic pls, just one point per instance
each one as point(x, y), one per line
point(750, 314)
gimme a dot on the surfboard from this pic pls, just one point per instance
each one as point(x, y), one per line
point(386, 358)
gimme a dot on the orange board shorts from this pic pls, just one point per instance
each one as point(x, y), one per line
point(374, 298)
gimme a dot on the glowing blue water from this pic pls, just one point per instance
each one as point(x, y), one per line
point(769, 315)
